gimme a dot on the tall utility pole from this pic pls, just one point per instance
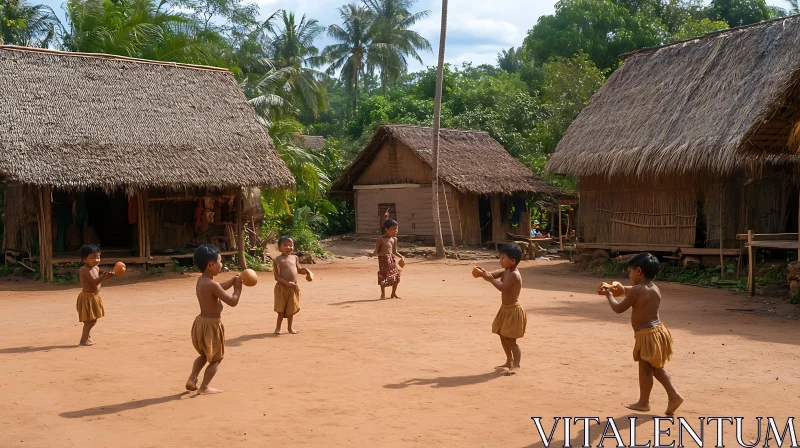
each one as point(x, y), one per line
point(437, 114)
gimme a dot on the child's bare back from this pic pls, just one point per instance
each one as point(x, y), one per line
point(513, 279)
point(644, 309)
point(208, 294)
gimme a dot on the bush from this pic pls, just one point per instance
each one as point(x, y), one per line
point(305, 240)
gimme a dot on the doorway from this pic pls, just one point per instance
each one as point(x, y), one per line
point(485, 215)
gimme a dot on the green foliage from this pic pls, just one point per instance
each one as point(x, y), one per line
point(154, 272)
point(741, 12)
point(28, 25)
point(696, 28)
point(794, 299)
point(66, 278)
point(305, 240)
point(601, 28)
point(256, 264)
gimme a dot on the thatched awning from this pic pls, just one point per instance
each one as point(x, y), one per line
point(314, 142)
point(471, 161)
point(74, 120)
point(712, 104)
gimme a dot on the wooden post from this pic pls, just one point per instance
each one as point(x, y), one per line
point(560, 232)
point(240, 230)
point(751, 281)
point(46, 235)
point(798, 227)
point(142, 238)
point(721, 258)
point(146, 221)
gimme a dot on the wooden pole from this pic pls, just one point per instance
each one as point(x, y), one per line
point(42, 239)
point(146, 221)
point(240, 230)
point(142, 238)
point(449, 220)
point(798, 227)
point(721, 258)
point(560, 232)
point(751, 281)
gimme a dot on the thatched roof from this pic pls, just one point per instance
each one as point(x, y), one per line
point(471, 161)
point(308, 141)
point(716, 103)
point(75, 120)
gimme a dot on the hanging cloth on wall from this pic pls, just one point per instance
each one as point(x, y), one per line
point(520, 206)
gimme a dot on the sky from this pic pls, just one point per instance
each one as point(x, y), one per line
point(477, 30)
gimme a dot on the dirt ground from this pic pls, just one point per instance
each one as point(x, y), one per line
point(363, 372)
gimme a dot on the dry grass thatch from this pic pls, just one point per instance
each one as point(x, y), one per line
point(78, 121)
point(314, 142)
point(471, 161)
point(716, 103)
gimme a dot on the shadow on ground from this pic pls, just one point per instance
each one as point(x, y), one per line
point(448, 381)
point(116, 408)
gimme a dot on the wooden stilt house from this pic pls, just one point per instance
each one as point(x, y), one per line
point(146, 159)
point(688, 145)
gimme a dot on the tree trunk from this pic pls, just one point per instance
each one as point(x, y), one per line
point(437, 114)
point(355, 93)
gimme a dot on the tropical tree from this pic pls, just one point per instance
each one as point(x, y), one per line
point(394, 42)
point(27, 25)
point(294, 54)
point(350, 56)
point(437, 114)
point(139, 28)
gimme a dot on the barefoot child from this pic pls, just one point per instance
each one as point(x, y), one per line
point(287, 292)
point(208, 333)
point(90, 305)
point(653, 347)
point(386, 250)
point(511, 319)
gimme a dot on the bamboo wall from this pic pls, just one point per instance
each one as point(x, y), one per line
point(413, 208)
point(21, 229)
point(686, 212)
point(624, 211)
point(469, 217)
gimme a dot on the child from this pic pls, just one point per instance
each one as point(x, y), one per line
point(386, 250)
point(208, 333)
point(653, 347)
point(287, 293)
point(90, 305)
point(511, 319)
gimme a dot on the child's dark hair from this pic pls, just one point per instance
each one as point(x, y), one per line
point(205, 254)
point(389, 223)
point(282, 239)
point(512, 251)
point(647, 262)
point(88, 249)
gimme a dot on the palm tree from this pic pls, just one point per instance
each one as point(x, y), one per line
point(437, 113)
point(351, 54)
point(394, 43)
point(138, 28)
point(795, 7)
point(27, 25)
point(294, 53)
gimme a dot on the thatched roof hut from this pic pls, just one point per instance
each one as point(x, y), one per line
point(84, 120)
point(704, 105)
point(685, 146)
point(119, 151)
point(313, 142)
point(471, 161)
point(482, 184)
